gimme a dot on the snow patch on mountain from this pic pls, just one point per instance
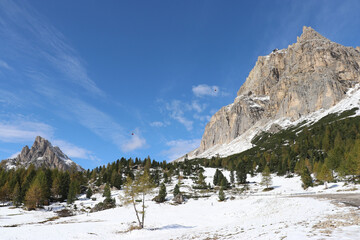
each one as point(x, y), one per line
point(243, 142)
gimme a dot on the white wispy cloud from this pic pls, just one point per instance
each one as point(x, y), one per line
point(180, 147)
point(202, 118)
point(136, 141)
point(74, 151)
point(195, 105)
point(205, 90)
point(103, 125)
point(4, 64)
point(158, 124)
point(176, 110)
point(35, 39)
point(9, 98)
point(14, 155)
point(182, 111)
point(22, 131)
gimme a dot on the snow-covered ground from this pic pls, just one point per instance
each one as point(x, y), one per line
point(252, 215)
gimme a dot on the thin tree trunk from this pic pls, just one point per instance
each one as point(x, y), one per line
point(137, 215)
point(143, 211)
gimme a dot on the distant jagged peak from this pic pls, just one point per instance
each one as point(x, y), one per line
point(310, 34)
point(40, 139)
point(41, 154)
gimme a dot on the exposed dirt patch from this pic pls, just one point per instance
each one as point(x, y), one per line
point(347, 218)
point(335, 221)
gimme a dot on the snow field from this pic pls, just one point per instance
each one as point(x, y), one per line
point(274, 215)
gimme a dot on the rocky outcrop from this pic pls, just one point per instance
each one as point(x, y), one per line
point(41, 154)
point(313, 73)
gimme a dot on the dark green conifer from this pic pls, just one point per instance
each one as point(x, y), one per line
point(306, 178)
point(16, 196)
point(89, 193)
point(162, 194)
point(232, 178)
point(107, 191)
point(72, 192)
point(221, 194)
point(176, 190)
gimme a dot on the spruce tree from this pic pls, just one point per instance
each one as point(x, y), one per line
point(166, 178)
point(16, 196)
point(45, 189)
point(306, 178)
point(224, 183)
point(5, 193)
point(232, 178)
point(64, 185)
point(241, 173)
point(162, 194)
point(325, 174)
point(56, 188)
point(72, 193)
point(107, 191)
point(176, 190)
point(89, 192)
point(221, 194)
point(216, 177)
point(201, 181)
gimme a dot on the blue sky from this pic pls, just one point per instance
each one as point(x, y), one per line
point(106, 79)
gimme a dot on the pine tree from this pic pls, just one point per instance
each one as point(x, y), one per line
point(176, 190)
point(34, 196)
point(221, 195)
point(72, 192)
point(352, 163)
point(16, 195)
point(232, 178)
point(224, 183)
point(166, 177)
point(107, 191)
point(28, 179)
point(156, 178)
point(306, 178)
point(64, 185)
point(5, 193)
point(162, 194)
point(241, 173)
point(201, 181)
point(89, 192)
point(56, 188)
point(216, 177)
point(266, 177)
point(325, 174)
point(45, 189)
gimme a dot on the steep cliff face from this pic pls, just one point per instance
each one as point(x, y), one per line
point(41, 154)
point(313, 73)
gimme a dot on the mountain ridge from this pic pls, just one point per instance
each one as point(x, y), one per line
point(41, 154)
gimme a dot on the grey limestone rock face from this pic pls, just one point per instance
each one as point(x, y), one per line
point(313, 73)
point(41, 154)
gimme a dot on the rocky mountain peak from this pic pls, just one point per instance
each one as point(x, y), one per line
point(310, 34)
point(41, 154)
point(312, 74)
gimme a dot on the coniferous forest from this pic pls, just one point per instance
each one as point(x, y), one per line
point(328, 149)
